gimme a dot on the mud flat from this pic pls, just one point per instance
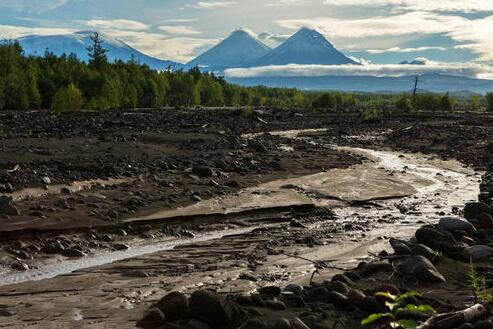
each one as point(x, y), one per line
point(244, 259)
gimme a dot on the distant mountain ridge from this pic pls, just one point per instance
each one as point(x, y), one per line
point(240, 49)
point(306, 46)
point(78, 42)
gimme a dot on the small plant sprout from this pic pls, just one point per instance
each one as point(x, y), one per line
point(395, 305)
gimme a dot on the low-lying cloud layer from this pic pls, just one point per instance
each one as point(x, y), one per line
point(380, 70)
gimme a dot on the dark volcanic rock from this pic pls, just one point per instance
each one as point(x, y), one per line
point(174, 306)
point(213, 309)
point(7, 207)
point(420, 268)
point(203, 171)
point(154, 318)
point(472, 210)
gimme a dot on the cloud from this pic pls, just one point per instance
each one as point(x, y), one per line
point(277, 38)
point(14, 32)
point(403, 50)
point(379, 70)
point(179, 29)
point(181, 49)
point(211, 4)
point(465, 6)
point(474, 32)
point(282, 3)
point(119, 24)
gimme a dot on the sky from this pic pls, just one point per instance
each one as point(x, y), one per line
point(382, 32)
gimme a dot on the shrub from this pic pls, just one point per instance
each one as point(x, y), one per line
point(67, 99)
point(447, 103)
point(404, 104)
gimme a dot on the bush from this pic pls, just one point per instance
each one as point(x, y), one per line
point(489, 102)
point(371, 115)
point(404, 104)
point(67, 99)
point(447, 103)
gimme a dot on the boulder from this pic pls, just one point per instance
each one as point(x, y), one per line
point(478, 253)
point(153, 318)
point(472, 210)
point(203, 171)
point(437, 240)
point(174, 306)
point(7, 207)
point(484, 221)
point(422, 250)
point(400, 247)
point(420, 268)
point(269, 291)
point(453, 224)
point(214, 310)
point(294, 288)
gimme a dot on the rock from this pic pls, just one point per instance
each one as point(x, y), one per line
point(338, 299)
point(195, 324)
point(478, 253)
point(342, 278)
point(484, 221)
point(294, 288)
point(20, 266)
point(203, 171)
point(257, 146)
point(422, 250)
point(74, 252)
point(46, 180)
point(269, 291)
point(214, 310)
point(174, 306)
point(255, 324)
point(368, 269)
point(298, 324)
point(437, 240)
point(420, 268)
point(340, 287)
point(453, 224)
point(281, 324)
point(317, 294)
point(153, 318)
point(275, 305)
point(484, 324)
point(66, 190)
point(466, 325)
point(370, 305)
point(472, 210)
point(400, 247)
point(7, 207)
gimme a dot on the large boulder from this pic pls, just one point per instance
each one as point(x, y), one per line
point(174, 306)
point(7, 207)
point(437, 240)
point(453, 224)
point(420, 268)
point(472, 210)
point(214, 310)
point(478, 253)
point(203, 171)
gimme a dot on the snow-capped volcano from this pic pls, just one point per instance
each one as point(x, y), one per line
point(240, 49)
point(78, 42)
point(306, 46)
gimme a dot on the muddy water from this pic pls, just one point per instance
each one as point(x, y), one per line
point(408, 190)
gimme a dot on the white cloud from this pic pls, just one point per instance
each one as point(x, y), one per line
point(179, 30)
point(465, 6)
point(211, 4)
point(282, 3)
point(403, 50)
point(380, 70)
point(119, 24)
point(14, 32)
point(475, 32)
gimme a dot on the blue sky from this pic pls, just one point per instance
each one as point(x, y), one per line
point(380, 31)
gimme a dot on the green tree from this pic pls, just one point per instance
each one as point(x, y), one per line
point(67, 99)
point(96, 51)
point(211, 92)
point(404, 103)
point(326, 100)
point(489, 102)
point(16, 94)
point(447, 103)
point(475, 103)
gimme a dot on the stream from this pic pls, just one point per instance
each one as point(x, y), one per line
point(409, 189)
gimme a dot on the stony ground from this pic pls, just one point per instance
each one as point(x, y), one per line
point(144, 162)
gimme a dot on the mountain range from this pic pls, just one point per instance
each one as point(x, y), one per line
point(242, 50)
point(77, 43)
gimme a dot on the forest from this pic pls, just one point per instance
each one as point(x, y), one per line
point(67, 84)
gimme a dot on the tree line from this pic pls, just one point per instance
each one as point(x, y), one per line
point(64, 83)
